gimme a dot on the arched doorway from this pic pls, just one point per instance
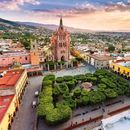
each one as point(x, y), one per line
point(62, 58)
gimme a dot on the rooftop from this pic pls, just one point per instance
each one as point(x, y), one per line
point(118, 122)
point(101, 57)
point(17, 53)
point(4, 104)
point(10, 78)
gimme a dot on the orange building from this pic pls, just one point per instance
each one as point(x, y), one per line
point(34, 55)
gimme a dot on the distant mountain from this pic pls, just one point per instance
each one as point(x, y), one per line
point(8, 23)
point(54, 27)
point(13, 26)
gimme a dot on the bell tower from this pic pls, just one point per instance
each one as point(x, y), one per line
point(34, 56)
point(60, 42)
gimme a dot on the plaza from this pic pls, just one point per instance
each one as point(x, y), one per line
point(73, 71)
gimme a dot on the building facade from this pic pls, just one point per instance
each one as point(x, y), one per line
point(60, 42)
point(22, 57)
point(12, 85)
point(121, 67)
point(99, 61)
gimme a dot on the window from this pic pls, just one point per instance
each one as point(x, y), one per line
point(64, 44)
point(113, 67)
point(60, 44)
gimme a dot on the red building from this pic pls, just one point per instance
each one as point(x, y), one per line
point(61, 44)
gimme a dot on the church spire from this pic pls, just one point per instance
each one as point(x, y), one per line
point(61, 23)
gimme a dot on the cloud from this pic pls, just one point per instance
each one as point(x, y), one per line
point(15, 4)
point(85, 8)
point(119, 6)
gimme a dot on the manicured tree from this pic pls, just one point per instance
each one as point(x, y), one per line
point(68, 78)
point(79, 101)
point(59, 80)
point(56, 91)
point(66, 96)
point(110, 93)
point(85, 100)
point(80, 77)
point(53, 117)
point(127, 93)
point(84, 93)
point(96, 97)
point(102, 95)
point(71, 84)
point(88, 74)
point(102, 87)
point(63, 88)
point(49, 77)
point(77, 92)
point(46, 82)
point(108, 82)
point(94, 80)
point(70, 102)
point(65, 112)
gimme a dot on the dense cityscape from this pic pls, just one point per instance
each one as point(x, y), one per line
point(57, 77)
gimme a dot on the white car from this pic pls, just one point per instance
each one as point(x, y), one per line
point(36, 94)
point(34, 104)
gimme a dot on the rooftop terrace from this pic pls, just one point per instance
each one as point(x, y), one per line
point(10, 78)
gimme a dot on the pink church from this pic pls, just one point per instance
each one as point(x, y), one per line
point(61, 44)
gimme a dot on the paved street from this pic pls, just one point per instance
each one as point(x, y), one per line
point(25, 117)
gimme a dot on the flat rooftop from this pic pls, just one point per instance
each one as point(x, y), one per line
point(101, 57)
point(124, 63)
point(4, 104)
point(118, 122)
point(10, 78)
point(5, 55)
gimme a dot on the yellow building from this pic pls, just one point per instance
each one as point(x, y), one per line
point(122, 67)
point(12, 85)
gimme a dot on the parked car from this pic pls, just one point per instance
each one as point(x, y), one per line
point(36, 94)
point(34, 104)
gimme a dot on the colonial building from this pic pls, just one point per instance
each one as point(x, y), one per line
point(12, 85)
point(7, 59)
point(121, 67)
point(61, 44)
point(99, 61)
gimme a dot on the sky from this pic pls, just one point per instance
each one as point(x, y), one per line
point(107, 15)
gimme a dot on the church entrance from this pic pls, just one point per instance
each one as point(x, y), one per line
point(62, 58)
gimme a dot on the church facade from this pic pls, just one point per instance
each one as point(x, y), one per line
point(60, 43)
